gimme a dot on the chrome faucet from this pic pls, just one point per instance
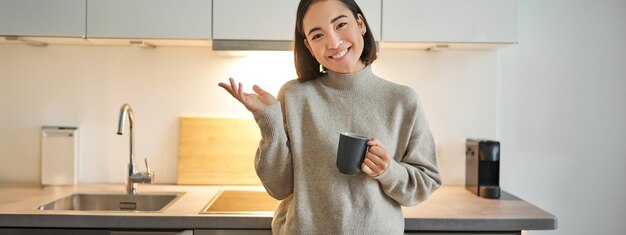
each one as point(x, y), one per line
point(134, 176)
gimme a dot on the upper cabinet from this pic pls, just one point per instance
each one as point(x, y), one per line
point(166, 19)
point(241, 24)
point(42, 18)
point(270, 19)
point(254, 20)
point(450, 21)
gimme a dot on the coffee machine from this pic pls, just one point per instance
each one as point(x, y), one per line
point(482, 167)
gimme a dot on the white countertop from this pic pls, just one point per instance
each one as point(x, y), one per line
point(449, 208)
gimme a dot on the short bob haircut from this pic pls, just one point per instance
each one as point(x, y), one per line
point(307, 67)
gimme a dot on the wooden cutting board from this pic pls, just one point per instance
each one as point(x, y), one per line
point(217, 151)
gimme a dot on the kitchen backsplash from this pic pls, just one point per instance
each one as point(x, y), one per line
point(85, 86)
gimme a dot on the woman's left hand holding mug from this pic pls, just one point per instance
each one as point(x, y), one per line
point(376, 160)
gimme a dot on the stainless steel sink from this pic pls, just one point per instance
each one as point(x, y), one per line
point(113, 202)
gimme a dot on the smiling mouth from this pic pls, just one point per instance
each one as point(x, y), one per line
point(340, 54)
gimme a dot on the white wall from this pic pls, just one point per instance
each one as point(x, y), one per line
point(562, 113)
point(85, 86)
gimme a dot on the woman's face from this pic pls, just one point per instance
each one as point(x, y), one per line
point(334, 36)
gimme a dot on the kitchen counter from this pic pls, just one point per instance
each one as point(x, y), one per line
point(448, 209)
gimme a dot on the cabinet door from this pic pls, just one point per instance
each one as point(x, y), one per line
point(182, 19)
point(473, 21)
point(271, 19)
point(48, 231)
point(42, 18)
point(372, 10)
point(462, 233)
point(231, 232)
point(254, 20)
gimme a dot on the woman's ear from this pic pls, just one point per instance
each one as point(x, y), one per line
point(361, 23)
point(306, 44)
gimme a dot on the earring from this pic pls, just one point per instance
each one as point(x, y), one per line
point(322, 70)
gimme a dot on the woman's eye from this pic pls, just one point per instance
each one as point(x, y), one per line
point(341, 25)
point(316, 36)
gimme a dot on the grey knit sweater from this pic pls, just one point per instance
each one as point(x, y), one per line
point(297, 155)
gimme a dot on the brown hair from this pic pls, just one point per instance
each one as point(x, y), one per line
point(307, 67)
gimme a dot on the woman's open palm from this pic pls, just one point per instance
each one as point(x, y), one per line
point(253, 101)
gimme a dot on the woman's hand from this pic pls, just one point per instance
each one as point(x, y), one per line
point(253, 102)
point(376, 160)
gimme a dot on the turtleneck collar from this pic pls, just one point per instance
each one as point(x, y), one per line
point(350, 81)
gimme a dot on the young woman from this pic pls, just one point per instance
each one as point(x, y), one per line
point(300, 132)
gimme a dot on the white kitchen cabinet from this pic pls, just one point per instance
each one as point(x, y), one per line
point(270, 19)
point(91, 231)
point(231, 232)
point(42, 18)
point(254, 20)
point(162, 19)
point(450, 21)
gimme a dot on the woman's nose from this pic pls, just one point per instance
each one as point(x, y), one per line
point(334, 41)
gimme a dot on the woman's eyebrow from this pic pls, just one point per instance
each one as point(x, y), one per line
point(337, 18)
point(332, 21)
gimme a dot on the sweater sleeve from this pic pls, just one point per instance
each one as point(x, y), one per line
point(273, 162)
point(416, 176)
